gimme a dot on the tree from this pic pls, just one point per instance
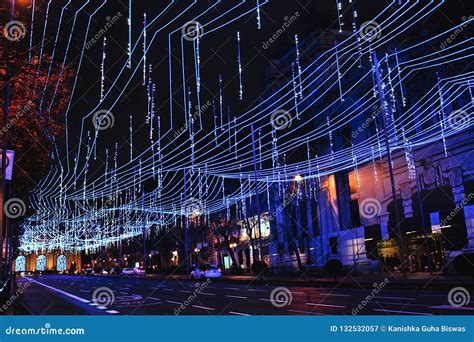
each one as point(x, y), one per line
point(225, 230)
point(250, 225)
point(39, 94)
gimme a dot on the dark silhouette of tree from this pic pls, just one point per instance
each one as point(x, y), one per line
point(39, 94)
point(224, 229)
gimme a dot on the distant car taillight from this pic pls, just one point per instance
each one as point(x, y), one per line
point(219, 270)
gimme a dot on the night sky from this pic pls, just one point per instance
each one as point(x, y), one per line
point(218, 51)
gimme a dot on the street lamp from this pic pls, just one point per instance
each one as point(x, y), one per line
point(298, 178)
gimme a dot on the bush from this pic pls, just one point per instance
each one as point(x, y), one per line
point(464, 263)
point(235, 270)
point(333, 267)
point(259, 267)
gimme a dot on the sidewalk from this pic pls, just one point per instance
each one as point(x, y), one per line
point(414, 281)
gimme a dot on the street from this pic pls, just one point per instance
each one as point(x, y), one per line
point(102, 295)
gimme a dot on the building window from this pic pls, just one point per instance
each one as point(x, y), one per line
point(315, 217)
point(41, 263)
point(20, 264)
point(333, 245)
point(61, 263)
point(355, 214)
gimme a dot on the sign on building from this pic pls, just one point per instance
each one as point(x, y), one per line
point(9, 166)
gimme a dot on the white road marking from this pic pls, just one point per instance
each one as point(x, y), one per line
point(449, 307)
point(184, 291)
point(238, 313)
point(202, 307)
point(326, 305)
point(113, 312)
point(305, 312)
point(403, 298)
point(208, 294)
point(173, 302)
point(297, 293)
point(153, 298)
point(124, 293)
point(240, 297)
point(82, 300)
point(402, 312)
point(232, 288)
point(399, 304)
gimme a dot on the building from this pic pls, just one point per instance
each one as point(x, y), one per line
point(350, 215)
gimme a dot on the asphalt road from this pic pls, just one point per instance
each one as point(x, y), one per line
point(91, 295)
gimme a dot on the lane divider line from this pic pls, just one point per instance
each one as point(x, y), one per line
point(202, 307)
point(404, 312)
point(238, 313)
point(67, 294)
point(449, 307)
point(327, 305)
point(240, 297)
point(70, 295)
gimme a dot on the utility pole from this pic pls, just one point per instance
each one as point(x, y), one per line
point(6, 108)
point(256, 193)
point(186, 247)
point(380, 89)
point(144, 230)
point(121, 263)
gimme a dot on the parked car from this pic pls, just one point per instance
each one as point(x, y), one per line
point(127, 271)
point(84, 271)
point(139, 271)
point(115, 270)
point(206, 271)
